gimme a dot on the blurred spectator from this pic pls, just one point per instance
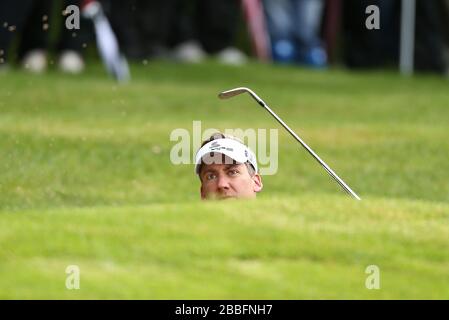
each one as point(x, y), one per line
point(34, 39)
point(294, 28)
point(142, 26)
point(35, 42)
point(206, 27)
point(33, 20)
point(193, 29)
point(445, 17)
point(12, 18)
point(365, 48)
point(430, 44)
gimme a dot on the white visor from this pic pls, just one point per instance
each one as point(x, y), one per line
point(229, 147)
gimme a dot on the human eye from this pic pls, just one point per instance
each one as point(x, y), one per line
point(233, 172)
point(210, 176)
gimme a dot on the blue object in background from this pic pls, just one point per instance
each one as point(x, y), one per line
point(294, 27)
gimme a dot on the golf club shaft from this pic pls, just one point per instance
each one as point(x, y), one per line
point(236, 91)
point(317, 158)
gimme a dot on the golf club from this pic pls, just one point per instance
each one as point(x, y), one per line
point(234, 92)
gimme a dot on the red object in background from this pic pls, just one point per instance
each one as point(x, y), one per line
point(255, 19)
point(331, 26)
point(84, 3)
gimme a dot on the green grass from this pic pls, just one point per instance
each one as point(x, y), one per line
point(85, 179)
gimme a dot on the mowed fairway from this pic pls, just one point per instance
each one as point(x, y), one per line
point(86, 180)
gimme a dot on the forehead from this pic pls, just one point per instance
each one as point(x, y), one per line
point(217, 167)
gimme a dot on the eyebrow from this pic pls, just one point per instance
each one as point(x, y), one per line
point(228, 166)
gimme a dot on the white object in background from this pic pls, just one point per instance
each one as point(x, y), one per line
point(189, 52)
point(232, 56)
point(35, 61)
point(107, 43)
point(71, 62)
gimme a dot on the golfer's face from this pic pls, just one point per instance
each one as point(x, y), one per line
point(226, 181)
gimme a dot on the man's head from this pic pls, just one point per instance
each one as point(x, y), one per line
point(227, 169)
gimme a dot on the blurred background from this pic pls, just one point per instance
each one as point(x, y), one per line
point(312, 33)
